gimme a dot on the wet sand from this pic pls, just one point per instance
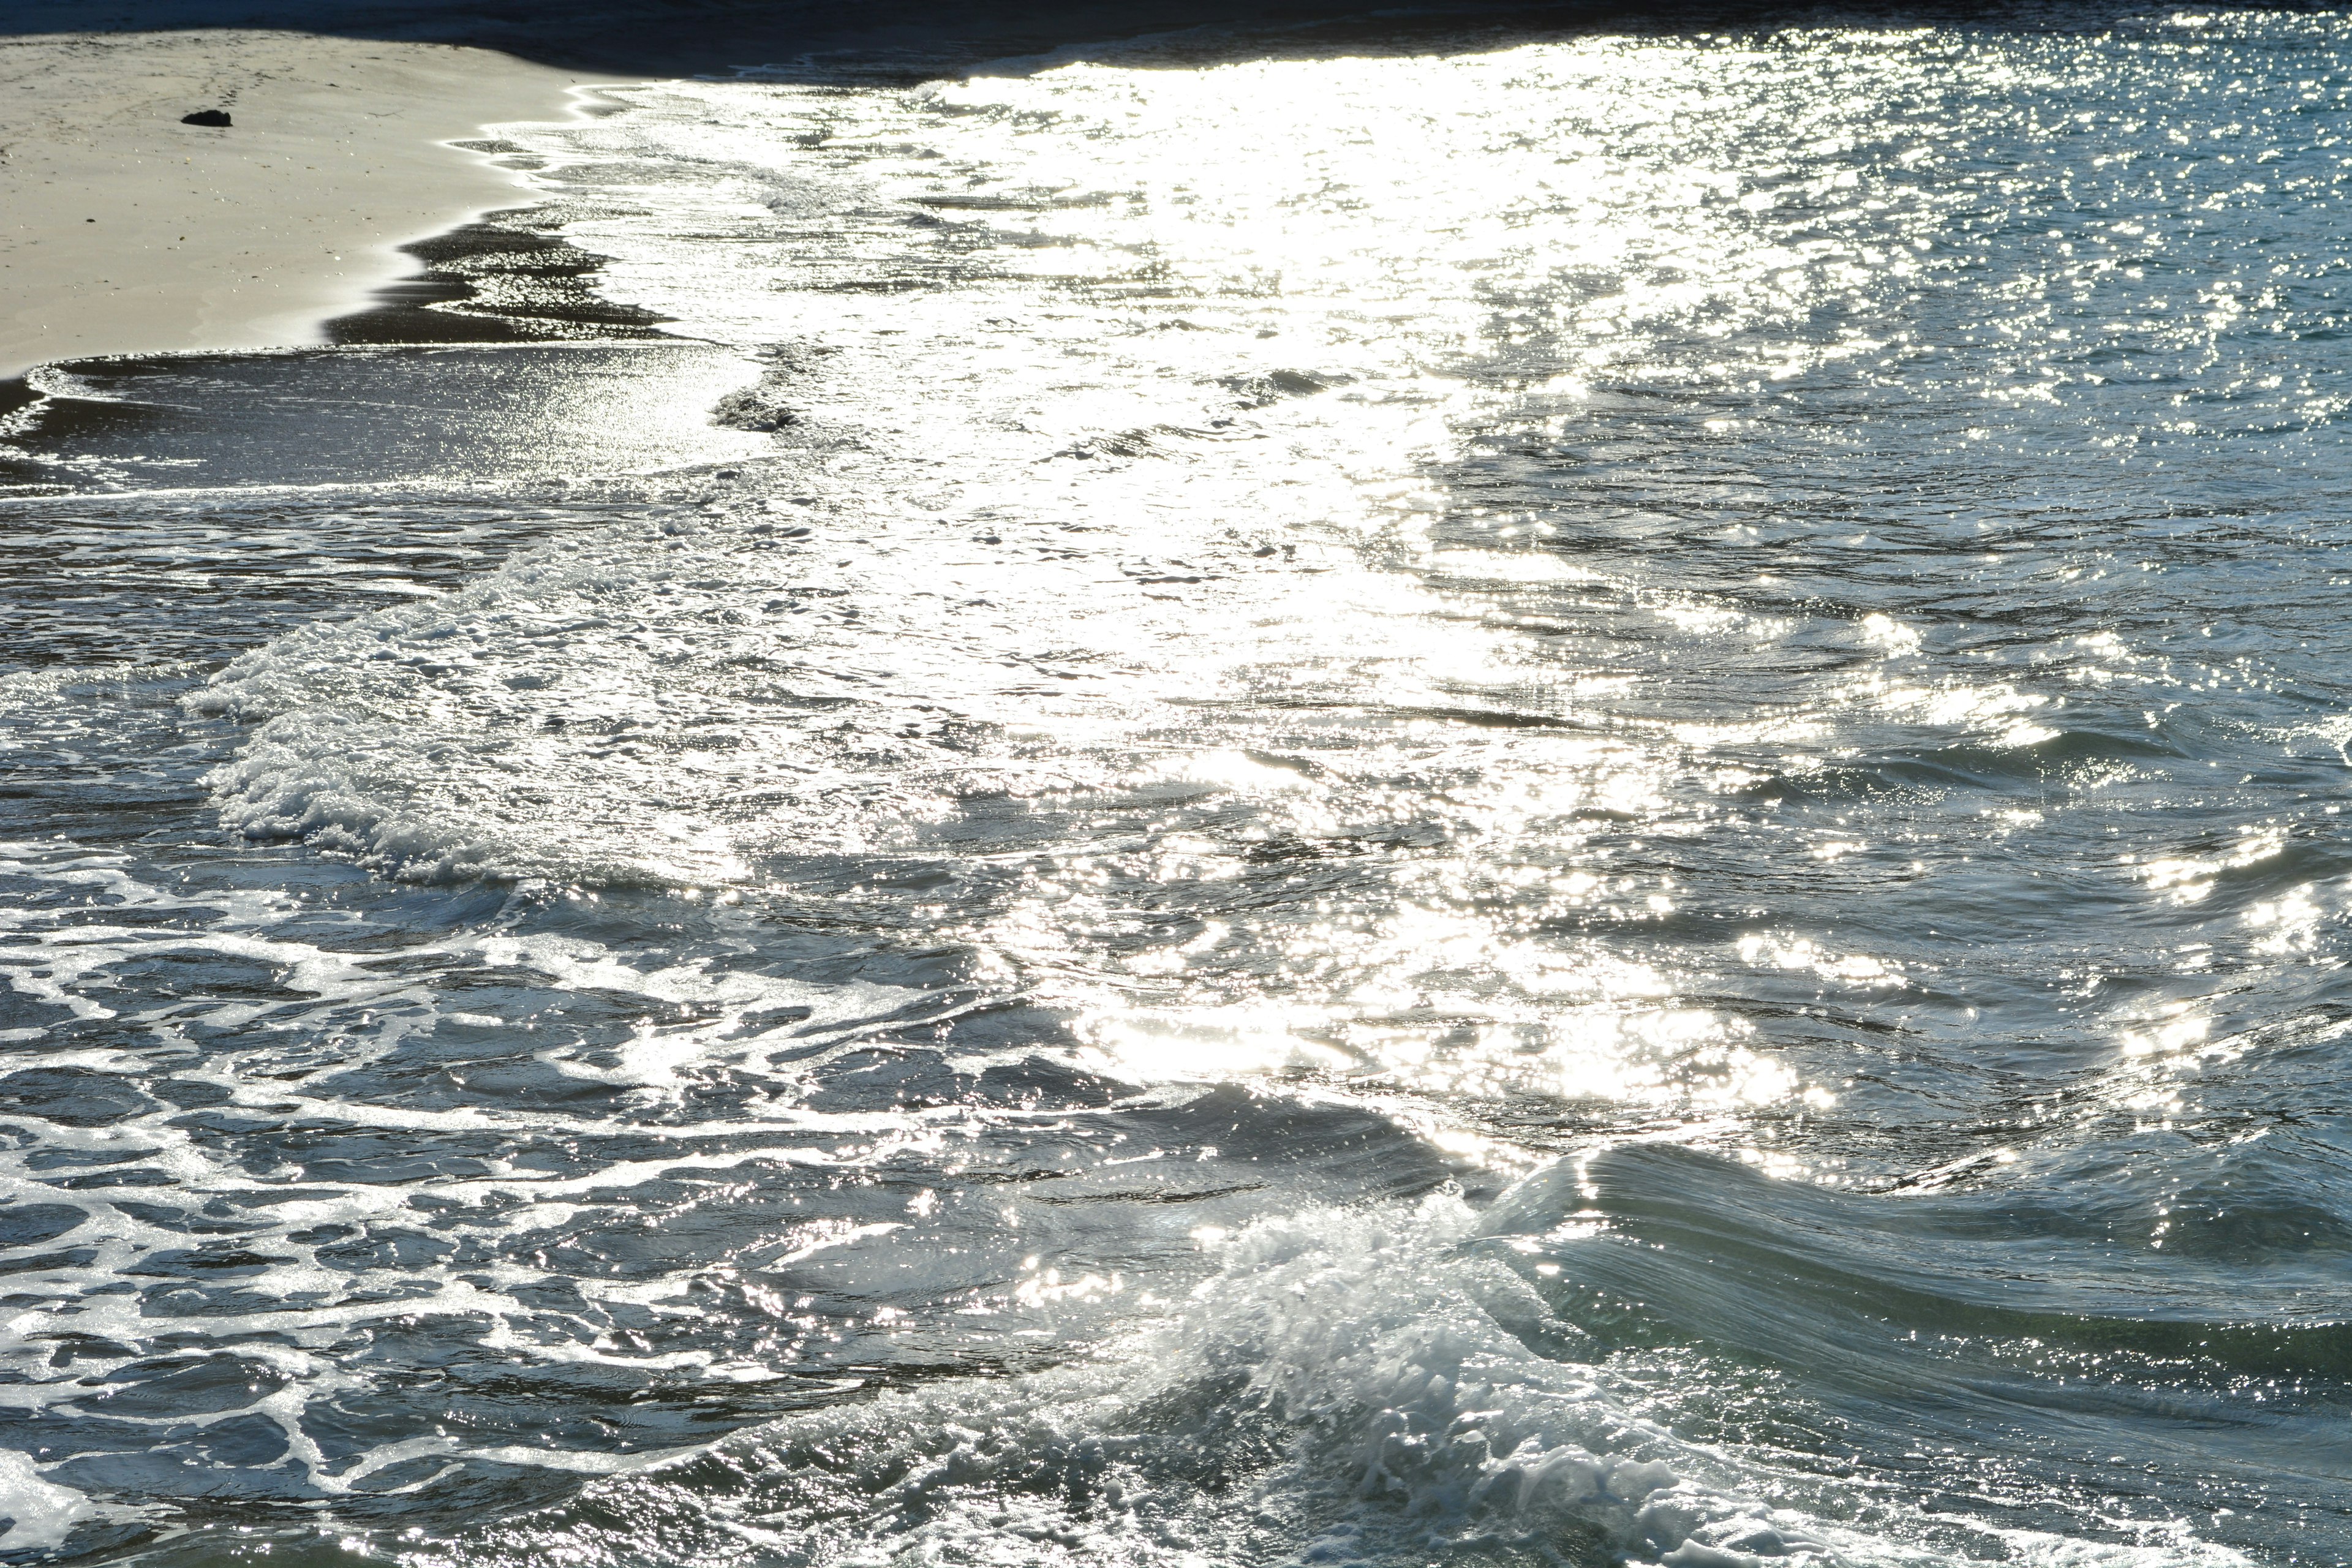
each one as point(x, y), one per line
point(123, 230)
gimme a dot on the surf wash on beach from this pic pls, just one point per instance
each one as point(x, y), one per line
point(1462, 785)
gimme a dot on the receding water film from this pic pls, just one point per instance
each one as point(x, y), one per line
point(1477, 790)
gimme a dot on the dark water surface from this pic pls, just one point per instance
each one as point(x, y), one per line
point(1520, 800)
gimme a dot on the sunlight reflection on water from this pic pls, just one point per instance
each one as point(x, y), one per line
point(1754, 615)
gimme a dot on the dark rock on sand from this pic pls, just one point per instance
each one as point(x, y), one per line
point(752, 409)
point(206, 117)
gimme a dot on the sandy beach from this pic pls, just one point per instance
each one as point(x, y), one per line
point(127, 231)
point(1175, 784)
point(124, 231)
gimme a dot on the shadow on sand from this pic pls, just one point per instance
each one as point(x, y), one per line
point(921, 39)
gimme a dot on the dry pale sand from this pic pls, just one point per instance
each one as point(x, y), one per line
point(122, 231)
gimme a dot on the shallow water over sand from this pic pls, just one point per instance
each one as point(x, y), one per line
point(1530, 800)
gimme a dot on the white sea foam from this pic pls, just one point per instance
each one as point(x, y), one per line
point(660, 703)
point(1145, 564)
point(1349, 1388)
point(84, 956)
point(41, 1514)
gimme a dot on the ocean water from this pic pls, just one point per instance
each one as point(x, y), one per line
point(1429, 795)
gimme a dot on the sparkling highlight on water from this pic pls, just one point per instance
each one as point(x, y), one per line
point(1546, 798)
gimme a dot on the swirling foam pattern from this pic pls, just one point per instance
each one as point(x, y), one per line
point(1358, 799)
